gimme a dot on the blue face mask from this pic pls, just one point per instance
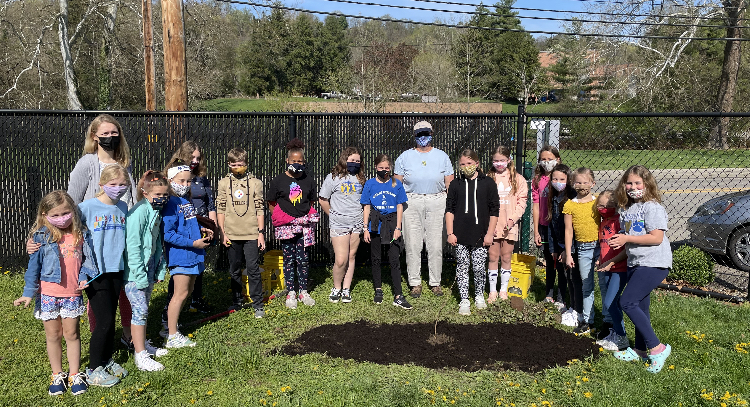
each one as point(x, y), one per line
point(296, 168)
point(353, 168)
point(423, 141)
point(158, 202)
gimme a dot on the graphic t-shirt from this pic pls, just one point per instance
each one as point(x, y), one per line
point(383, 196)
point(107, 226)
point(640, 219)
point(608, 228)
point(293, 195)
point(344, 194)
point(424, 173)
point(539, 194)
point(71, 257)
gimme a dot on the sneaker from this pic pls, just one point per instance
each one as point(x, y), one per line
point(77, 383)
point(179, 340)
point(400, 301)
point(346, 295)
point(259, 313)
point(57, 384)
point(613, 342)
point(199, 305)
point(100, 377)
point(239, 305)
point(464, 307)
point(378, 296)
point(115, 369)
point(570, 318)
point(656, 362)
point(548, 300)
point(128, 344)
point(437, 291)
point(560, 306)
point(479, 302)
point(291, 300)
point(154, 351)
point(605, 331)
point(306, 299)
point(583, 328)
point(144, 362)
point(335, 295)
point(416, 291)
point(629, 355)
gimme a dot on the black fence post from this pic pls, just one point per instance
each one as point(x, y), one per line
point(33, 190)
point(292, 126)
point(522, 244)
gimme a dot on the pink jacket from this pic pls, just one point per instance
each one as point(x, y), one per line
point(511, 206)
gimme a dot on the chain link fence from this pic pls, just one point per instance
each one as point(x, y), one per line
point(702, 188)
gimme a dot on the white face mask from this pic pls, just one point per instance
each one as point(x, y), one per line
point(636, 193)
point(548, 165)
point(180, 190)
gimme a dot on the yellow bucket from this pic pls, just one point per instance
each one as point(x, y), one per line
point(271, 274)
point(522, 274)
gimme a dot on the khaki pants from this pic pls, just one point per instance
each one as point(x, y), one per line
point(424, 222)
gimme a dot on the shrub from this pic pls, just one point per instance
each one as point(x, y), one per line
point(692, 265)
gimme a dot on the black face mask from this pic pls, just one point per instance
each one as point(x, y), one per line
point(353, 168)
point(382, 174)
point(158, 203)
point(296, 168)
point(109, 143)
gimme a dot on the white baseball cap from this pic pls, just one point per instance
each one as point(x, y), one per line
point(422, 126)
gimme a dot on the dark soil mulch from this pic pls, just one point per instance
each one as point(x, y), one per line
point(486, 346)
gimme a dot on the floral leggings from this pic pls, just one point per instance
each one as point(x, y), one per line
point(467, 256)
point(295, 260)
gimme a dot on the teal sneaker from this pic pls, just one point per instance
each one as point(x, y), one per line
point(656, 362)
point(115, 369)
point(629, 355)
point(100, 377)
point(77, 383)
point(57, 384)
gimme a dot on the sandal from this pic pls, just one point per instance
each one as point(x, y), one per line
point(503, 295)
point(492, 297)
point(656, 362)
point(629, 355)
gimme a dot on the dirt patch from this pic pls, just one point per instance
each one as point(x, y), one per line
point(486, 346)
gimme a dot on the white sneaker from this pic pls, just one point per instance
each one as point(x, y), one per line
point(291, 300)
point(144, 362)
point(614, 342)
point(607, 339)
point(464, 307)
point(306, 299)
point(479, 302)
point(154, 351)
point(560, 307)
point(179, 340)
point(571, 319)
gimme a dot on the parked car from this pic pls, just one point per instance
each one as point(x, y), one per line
point(333, 95)
point(722, 226)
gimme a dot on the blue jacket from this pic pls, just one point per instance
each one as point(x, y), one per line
point(44, 264)
point(180, 227)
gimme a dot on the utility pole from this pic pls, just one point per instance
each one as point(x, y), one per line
point(148, 56)
point(175, 67)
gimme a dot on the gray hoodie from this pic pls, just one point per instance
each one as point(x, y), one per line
point(84, 181)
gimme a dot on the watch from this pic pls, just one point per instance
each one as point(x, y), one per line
point(262, 231)
point(399, 229)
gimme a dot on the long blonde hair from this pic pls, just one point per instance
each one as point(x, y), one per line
point(122, 153)
point(110, 172)
point(502, 150)
point(651, 190)
point(49, 202)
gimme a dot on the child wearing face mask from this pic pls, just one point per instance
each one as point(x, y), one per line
point(241, 220)
point(145, 263)
point(582, 229)
point(549, 157)
point(611, 267)
point(471, 216)
point(644, 221)
point(560, 192)
point(105, 217)
point(513, 192)
point(383, 198)
point(184, 243)
point(55, 277)
point(290, 197)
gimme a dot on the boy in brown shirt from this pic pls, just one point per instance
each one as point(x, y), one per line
point(240, 215)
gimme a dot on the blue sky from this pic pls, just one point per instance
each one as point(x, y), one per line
point(429, 16)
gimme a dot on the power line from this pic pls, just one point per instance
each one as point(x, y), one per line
point(640, 23)
point(395, 20)
point(603, 13)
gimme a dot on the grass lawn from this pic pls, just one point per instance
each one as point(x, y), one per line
point(652, 159)
point(236, 363)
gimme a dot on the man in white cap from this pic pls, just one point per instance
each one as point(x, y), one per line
point(426, 173)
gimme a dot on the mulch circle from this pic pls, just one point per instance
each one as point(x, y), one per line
point(484, 346)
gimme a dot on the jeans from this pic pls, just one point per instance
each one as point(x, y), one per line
point(587, 253)
point(611, 285)
point(424, 222)
point(245, 250)
point(636, 299)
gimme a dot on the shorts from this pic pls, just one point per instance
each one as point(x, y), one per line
point(193, 270)
point(48, 308)
point(356, 230)
point(138, 302)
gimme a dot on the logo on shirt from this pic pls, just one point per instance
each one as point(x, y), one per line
point(70, 249)
point(634, 223)
point(295, 193)
point(188, 211)
point(348, 187)
point(424, 163)
point(238, 194)
point(384, 203)
point(108, 222)
point(503, 192)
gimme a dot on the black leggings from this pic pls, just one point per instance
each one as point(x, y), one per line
point(103, 294)
point(575, 285)
point(394, 254)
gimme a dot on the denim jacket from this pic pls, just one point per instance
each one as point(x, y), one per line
point(44, 264)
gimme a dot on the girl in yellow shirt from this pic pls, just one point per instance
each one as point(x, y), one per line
point(582, 228)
